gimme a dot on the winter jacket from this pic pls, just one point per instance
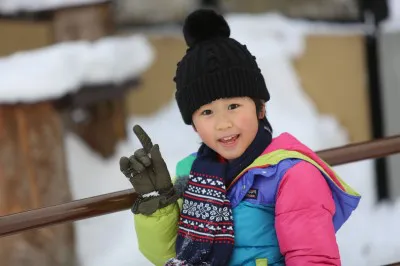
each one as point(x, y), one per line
point(287, 206)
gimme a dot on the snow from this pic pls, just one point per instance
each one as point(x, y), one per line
point(392, 23)
point(368, 238)
point(56, 70)
point(394, 9)
point(15, 6)
point(151, 194)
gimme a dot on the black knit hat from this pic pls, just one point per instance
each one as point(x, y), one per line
point(215, 66)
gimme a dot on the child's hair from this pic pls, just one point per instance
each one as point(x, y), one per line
point(259, 108)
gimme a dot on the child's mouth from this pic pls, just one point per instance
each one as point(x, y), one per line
point(229, 141)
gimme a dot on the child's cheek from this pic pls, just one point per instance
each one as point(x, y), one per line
point(205, 131)
point(247, 123)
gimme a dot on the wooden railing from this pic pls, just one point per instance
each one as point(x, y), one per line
point(122, 200)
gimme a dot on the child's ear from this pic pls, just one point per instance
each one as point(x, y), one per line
point(261, 114)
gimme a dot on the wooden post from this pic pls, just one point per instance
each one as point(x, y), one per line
point(33, 175)
point(101, 125)
point(97, 115)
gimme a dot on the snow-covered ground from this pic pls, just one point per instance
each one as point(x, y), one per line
point(369, 238)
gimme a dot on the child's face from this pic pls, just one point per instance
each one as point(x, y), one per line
point(228, 126)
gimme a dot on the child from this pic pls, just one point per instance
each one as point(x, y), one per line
point(245, 198)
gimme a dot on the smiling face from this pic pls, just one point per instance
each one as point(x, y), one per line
point(228, 126)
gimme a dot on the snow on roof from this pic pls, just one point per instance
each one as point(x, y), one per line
point(56, 70)
point(15, 6)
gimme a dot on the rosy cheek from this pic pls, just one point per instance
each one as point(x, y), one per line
point(205, 131)
point(245, 122)
point(249, 126)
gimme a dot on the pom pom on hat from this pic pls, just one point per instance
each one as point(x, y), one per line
point(204, 24)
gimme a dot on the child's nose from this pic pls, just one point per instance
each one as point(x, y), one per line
point(223, 123)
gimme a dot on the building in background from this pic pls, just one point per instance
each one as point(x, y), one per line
point(62, 71)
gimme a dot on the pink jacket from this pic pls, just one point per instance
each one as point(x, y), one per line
point(304, 213)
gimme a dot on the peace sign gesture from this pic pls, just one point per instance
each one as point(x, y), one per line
point(146, 169)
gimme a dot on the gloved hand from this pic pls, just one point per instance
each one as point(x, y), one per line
point(148, 173)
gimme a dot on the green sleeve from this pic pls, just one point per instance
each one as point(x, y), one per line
point(157, 233)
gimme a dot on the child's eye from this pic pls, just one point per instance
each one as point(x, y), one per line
point(206, 112)
point(233, 106)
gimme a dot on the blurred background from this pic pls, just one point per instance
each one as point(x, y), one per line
point(76, 75)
